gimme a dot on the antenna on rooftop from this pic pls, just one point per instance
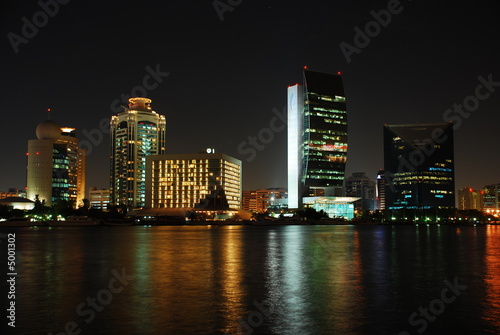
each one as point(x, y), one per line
point(48, 112)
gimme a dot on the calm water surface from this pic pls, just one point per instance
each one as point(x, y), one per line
point(257, 280)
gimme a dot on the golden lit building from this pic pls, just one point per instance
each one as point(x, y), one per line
point(99, 199)
point(189, 180)
point(136, 133)
point(260, 200)
point(56, 166)
point(470, 199)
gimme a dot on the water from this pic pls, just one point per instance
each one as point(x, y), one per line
point(256, 280)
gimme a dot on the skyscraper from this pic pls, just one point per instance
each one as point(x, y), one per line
point(136, 133)
point(317, 135)
point(419, 166)
point(56, 166)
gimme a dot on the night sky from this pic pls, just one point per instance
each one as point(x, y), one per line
point(226, 77)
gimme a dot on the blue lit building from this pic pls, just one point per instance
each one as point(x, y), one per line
point(419, 167)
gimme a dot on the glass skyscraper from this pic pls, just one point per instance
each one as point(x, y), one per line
point(419, 166)
point(317, 135)
point(136, 133)
point(317, 145)
point(325, 130)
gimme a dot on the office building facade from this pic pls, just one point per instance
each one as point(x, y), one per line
point(99, 198)
point(492, 197)
point(359, 185)
point(193, 181)
point(419, 166)
point(136, 133)
point(317, 136)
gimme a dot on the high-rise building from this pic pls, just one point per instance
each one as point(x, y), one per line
point(491, 197)
point(380, 196)
point(193, 181)
point(470, 199)
point(136, 133)
point(317, 136)
point(419, 166)
point(359, 185)
point(56, 166)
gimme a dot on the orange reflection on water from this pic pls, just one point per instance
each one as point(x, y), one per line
point(232, 277)
point(492, 274)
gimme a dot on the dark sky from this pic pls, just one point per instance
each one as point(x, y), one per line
point(226, 77)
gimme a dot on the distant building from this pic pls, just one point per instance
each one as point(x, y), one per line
point(136, 133)
point(317, 136)
point(8, 194)
point(249, 201)
point(56, 166)
point(491, 197)
point(99, 199)
point(260, 200)
point(380, 188)
point(470, 199)
point(419, 168)
point(359, 185)
point(193, 181)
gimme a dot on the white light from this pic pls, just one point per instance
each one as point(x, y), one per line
point(295, 105)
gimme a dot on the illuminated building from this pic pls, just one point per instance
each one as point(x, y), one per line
point(334, 207)
point(380, 196)
point(99, 199)
point(193, 181)
point(317, 137)
point(359, 185)
point(470, 199)
point(419, 167)
point(249, 201)
point(262, 199)
point(56, 166)
point(136, 133)
point(491, 197)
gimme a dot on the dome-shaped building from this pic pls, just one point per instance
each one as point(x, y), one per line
point(48, 130)
point(56, 166)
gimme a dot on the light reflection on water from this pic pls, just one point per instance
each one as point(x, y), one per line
point(210, 280)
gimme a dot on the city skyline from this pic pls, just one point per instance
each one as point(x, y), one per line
point(209, 96)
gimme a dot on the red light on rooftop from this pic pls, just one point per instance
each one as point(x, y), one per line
point(48, 109)
point(38, 153)
point(27, 154)
point(305, 67)
point(339, 73)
